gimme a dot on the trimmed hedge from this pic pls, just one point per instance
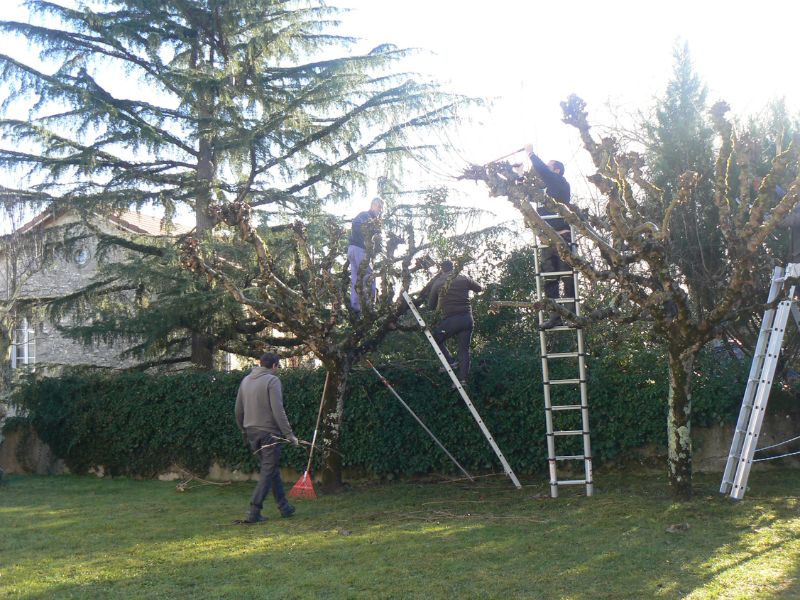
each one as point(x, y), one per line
point(137, 424)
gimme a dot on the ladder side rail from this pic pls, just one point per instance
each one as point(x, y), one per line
point(761, 398)
point(537, 266)
point(573, 247)
point(548, 418)
point(584, 389)
point(756, 367)
point(462, 393)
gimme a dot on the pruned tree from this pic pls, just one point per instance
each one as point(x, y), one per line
point(632, 249)
point(192, 103)
point(298, 291)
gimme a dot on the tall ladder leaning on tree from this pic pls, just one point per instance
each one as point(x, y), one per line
point(759, 383)
point(462, 392)
point(557, 411)
point(553, 338)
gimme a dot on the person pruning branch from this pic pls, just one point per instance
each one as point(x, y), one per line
point(557, 187)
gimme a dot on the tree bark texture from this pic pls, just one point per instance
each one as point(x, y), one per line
point(202, 344)
point(679, 439)
point(332, 416)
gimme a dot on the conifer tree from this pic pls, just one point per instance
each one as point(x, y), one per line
point(679, 139)
point(250, 113)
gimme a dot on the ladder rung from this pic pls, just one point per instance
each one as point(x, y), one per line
point(566, 407)
point(571, 482)
point(571, 457)
point(555, 273)
point(560, 328)
point(562, 381)
point(562, 355)
point(568, 432)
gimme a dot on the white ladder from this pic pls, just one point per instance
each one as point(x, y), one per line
point(461, 391)
point(759, 384)
point(582, 407)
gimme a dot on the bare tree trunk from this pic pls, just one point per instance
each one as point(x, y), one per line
point(679, 421)
point(332, 414)
point(203, 345)
point(5, 361)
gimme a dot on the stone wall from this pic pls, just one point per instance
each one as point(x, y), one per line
point(24, 453)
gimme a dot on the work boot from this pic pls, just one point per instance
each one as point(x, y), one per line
point(253, 519)
point(554, 320)
point(287, 511)
point(254, 516)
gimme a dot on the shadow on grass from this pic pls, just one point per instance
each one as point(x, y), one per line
point(144, 539)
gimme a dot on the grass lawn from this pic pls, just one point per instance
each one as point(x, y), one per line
point(84, 537)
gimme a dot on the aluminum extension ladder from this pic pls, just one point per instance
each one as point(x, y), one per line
point(759, 384)
point(557, 335)
point(462, 392)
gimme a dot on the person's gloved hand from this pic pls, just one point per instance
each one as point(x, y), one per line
point(294, 441)
point(245, 440)
point(528, 148)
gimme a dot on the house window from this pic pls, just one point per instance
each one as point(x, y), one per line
point(23, 346)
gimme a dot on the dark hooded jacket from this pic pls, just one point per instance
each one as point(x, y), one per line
point(557, 187)
point(451, 297)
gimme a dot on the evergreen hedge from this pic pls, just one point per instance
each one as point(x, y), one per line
point(137, 424)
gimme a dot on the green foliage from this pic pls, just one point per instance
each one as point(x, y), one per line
point(680, 140)
point(137, 424)
point(252, 102)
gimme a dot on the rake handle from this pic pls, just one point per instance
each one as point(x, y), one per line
point(316, 427)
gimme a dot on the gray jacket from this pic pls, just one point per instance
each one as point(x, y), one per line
point(259, 404)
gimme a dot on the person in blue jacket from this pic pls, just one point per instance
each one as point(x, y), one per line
point(365, 225)
point(557, 187)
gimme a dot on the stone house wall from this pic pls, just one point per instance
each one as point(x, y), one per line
point(71, 267)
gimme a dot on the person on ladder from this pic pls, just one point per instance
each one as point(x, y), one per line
point(365, 224)
point(557, 187)
point(450, 293)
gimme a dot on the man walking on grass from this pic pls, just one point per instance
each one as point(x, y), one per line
point(263, 423)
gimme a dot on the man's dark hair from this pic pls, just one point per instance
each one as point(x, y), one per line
point(560, 166)
point(446, 265)
point(269, 360)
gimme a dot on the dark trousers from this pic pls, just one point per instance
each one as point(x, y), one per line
point(551, 261)
point(455, 325)
point(270, 469)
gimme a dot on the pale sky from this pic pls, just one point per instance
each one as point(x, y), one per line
point(529, 56)
point(532, 55)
